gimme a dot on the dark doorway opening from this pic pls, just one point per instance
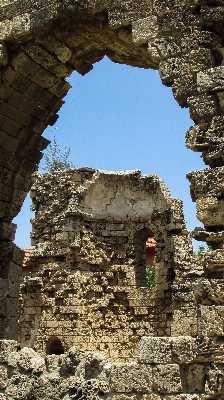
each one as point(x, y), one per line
point(54, 346)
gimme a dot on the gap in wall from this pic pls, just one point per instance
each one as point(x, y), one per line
point(121, 118)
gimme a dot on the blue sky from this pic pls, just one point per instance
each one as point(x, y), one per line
point(122, 118)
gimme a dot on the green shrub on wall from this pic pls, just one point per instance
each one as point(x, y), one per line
point(150, 276)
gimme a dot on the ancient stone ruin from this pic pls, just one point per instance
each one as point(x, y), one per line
point(88, 286)
point(41, 43)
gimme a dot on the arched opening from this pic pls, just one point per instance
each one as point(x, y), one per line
point(36, 57)
point(143, 242)
point(150, 257)
point(150, 251)
point(94, 121)
point(54, 346)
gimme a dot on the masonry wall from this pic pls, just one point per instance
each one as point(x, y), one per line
point(167, 369)
point(43, 42)
point(89, 284)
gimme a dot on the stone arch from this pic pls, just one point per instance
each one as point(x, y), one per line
point(163, 255)
point(41, 45)
point(141, 237)
point(140, 240)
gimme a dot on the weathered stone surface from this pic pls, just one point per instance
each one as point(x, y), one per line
point(184, 349)
point(155, 350)
point(215, 384)
point(211, 321)
point(145, 30)
point(41, 43)
point(89, 375)
point(41, 55)
point(98, 222)
point(7, 347)
point(165, 350)
point(127, 378)
point(166, 379)
point(196, 377)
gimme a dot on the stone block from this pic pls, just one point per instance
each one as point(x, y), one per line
point(9, 124)
point(131, 377)
point(33, 90)
point(206, 182)
point(42, 16)
point(184, 349)
point(17, 255)
point(10, 289)
point(43, 78)
point(210, 14)
point(12, 272)
point(211, 80)
point(4, 192)
point(6, 348)
point(24, 65)
point(172, 68)
point(211, 321)
point(199, 39)
point(183, 88)
point(44, 98)
point(210, 211)
point(199, 59)
point(60, 88)
point(6, 248)
point(145, 30)
point(20, 386)
point(166, 379)
point(214, 384)
point(155, 350)
point(28, 360)
point(196, 377)
point(202, 108)
point(3, 377)
point(12, 307)
point(3, 136)
point(11, 143)
point(214, 260)
point(18, 100)
point(56, 104)
point(7, 230)
point(184, 323)
point(161, 48)
point(122, 14)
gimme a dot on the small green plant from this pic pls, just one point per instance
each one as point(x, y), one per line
point(56, 159)
point(150, 277)
point(150, 274)
point(202, 249)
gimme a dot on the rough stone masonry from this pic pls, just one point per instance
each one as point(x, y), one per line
point(98, 330)
point(42, 42)
point(88, 287)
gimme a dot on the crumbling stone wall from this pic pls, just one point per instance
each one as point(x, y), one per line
point(89, 284)
point(43, 42)
point(167, 369)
